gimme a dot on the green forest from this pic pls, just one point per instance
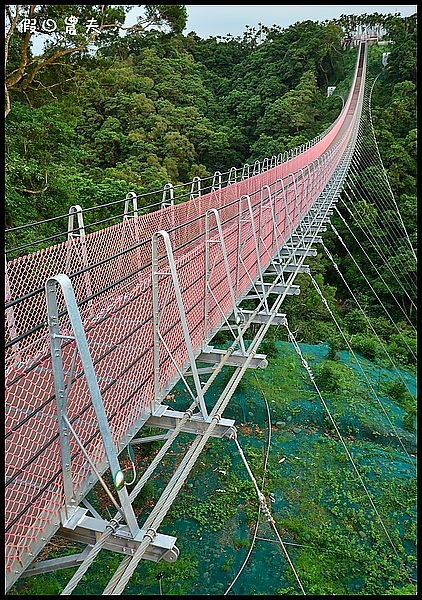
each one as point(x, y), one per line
point(94, 116)
point(158, 105)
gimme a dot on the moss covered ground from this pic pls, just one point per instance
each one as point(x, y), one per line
point(333, 536)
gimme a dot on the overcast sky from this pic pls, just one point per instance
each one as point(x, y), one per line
point(220, 19)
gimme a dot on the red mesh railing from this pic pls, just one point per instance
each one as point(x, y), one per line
point(111, 274)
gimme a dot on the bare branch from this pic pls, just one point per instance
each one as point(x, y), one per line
point(7, 97)
point(44, 189)
point(13, 21)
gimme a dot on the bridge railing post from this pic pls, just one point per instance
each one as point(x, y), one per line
point(208, 272)
point(232, 176)
point(241, 242)
point(62, 393)
point(166, 202)
point(10, 316)
point(79, 233)
point(216, 181)
point(275, 245)
point(157, 314)
point(131, 216)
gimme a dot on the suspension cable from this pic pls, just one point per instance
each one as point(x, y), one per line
point(376, 247)
point(267, 513)
point(370, 285)
point(384, 170)
point(324, 300)
point(346, 449)
point(255, 534)
point(374, 266)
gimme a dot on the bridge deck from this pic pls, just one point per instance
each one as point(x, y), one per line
point(111, 274)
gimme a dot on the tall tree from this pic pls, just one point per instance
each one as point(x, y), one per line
point(72, 29)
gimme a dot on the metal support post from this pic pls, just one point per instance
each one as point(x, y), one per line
point(165, 202)
point(271, 206)
point(293, 181)
point(246, 171)
point(195, 190)
point(156, 317)
point(216, 182)
point(240, 246)
point(79, 233)
point(61, 393)
point(232, 176)
point(10, 317)
point(208, 241)
point(131, 197)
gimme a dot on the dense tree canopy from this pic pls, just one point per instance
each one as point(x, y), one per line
point(98, 114)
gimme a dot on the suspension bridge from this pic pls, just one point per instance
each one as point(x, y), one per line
point(102, 326)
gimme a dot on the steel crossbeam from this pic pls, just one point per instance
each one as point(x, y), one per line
point(236, 359)
point(167, 418)
point(85, 530)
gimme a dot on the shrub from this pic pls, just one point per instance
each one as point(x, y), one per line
point(329, 377)
point(356, 322)
point(269, 348)
point(409, 418)
point(396, 390)
point(365, 346)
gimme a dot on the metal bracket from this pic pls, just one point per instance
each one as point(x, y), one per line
point(88, 528)
point(299, 252)
point(306, 239)
point(287, 268)
point(208, 271)
point(10, 317)
point(263, 317)
point(237, 359)
point(158, 340)
point(279, 289)
point(165, 202)
point(54, 564)
point(75, 234)
point(169, 419)
point(251, 222)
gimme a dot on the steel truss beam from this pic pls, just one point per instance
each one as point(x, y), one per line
point(85, 530)
point(263, 317)
point(278, 288)
point(292, 267)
